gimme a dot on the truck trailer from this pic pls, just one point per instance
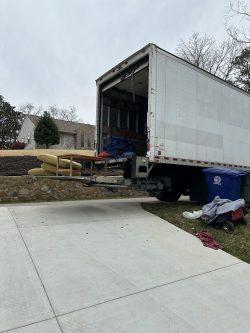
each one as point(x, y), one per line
point(179, 117)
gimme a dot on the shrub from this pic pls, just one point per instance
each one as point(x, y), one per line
point(18, 145)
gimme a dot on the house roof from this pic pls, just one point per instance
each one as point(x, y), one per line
point(63, 125)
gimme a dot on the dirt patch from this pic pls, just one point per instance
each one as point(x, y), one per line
point(17, 165)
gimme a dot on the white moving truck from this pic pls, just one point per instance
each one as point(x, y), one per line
point(179, 117)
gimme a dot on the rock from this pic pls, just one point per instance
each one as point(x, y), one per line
point(19, 188)
point(13, 194)
point(23, 192)
point(3, 194)
point(45, 188)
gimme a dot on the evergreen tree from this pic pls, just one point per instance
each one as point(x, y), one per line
point(242, 67)
point(46, 131)
point(10, 124)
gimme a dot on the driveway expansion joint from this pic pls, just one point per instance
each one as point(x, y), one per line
point(37, 272)
point(147, 289)
point(27, 325)
point(108, 266)
point(116, 298)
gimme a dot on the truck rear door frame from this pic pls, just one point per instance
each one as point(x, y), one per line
point(145, 57)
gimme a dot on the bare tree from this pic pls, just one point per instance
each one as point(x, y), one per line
point(225, 55)
point(63, 114)
point(204, 52)
point(197, 49)
point(29, 108)
point(238, 22)
point(55, 112)
point(69, 114)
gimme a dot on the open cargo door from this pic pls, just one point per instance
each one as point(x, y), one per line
point(123, 107)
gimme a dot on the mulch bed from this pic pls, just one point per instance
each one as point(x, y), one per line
point(17, 165)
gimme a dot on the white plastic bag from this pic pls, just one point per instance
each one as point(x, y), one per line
point(192, 216)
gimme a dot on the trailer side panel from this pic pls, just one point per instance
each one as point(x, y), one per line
point(198, 118)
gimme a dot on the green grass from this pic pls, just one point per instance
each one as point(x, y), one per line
point(236, 243)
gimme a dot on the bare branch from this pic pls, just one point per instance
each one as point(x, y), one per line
point(238, 22)
point(55, 112)
point(240, 8)
point(203, 52)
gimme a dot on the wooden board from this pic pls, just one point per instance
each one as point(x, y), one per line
point(63, 163)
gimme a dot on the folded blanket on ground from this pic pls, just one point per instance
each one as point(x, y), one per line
point(220, 206)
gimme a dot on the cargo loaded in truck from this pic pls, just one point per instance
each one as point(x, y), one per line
point(124, 107)
point(178, 118)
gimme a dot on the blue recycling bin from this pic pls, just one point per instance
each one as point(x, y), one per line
point(226, 183)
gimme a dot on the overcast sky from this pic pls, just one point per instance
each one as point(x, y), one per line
point(51, 51)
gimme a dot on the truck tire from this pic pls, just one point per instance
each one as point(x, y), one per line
point(168, 195)
point(229, 226)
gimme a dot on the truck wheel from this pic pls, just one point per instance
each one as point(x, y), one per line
point(229, 226)
point(168, 196)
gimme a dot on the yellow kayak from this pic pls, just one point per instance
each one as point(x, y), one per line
point(39, 172)
point(63, 163)
point(63, 172)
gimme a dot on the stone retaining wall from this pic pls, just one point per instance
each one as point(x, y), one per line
point(25, 188)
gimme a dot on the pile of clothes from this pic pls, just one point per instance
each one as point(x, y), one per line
point(218, 207)
point(215, 208)
point(118, 147)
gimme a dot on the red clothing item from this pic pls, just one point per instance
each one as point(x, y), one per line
point(104, 154)
point(208, 240)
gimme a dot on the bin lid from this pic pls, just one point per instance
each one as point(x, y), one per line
point(224, 171)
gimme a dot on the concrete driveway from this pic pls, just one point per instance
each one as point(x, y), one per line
point(108, 266)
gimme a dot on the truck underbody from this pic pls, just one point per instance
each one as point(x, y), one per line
point(164, 181)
